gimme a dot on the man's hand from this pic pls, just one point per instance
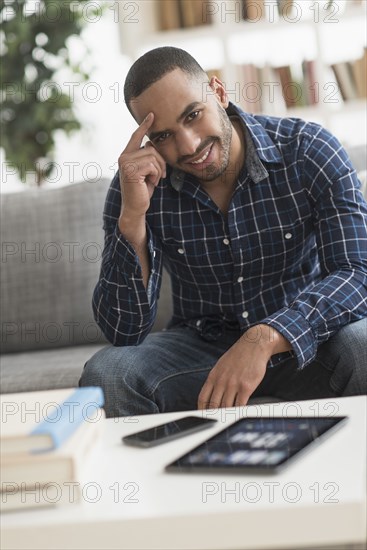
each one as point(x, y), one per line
point(140, 170)
point(240, 370)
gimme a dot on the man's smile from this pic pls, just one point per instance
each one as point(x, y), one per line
point(203, 158)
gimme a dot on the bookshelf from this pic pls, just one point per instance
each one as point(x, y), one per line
point(291, 58)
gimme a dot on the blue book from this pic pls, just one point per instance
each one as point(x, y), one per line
point(36, 422)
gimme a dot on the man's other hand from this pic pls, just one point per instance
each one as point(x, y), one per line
point(240, 370)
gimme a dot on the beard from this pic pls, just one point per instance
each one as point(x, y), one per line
point(213, 171)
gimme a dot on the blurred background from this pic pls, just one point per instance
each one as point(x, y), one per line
point(64, 124)
point(64, 64)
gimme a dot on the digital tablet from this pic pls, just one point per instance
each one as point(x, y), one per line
point(257, 444)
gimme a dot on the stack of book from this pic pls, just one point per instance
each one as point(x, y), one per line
point(45, 440)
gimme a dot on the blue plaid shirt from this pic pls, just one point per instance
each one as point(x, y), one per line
point(292, 252)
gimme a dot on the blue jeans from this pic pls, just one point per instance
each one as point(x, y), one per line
point(168, 369)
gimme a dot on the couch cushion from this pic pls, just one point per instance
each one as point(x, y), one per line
point(44, 370)
point(51, 246)
point(52, 242)
point(362, 176)
point(358, 156)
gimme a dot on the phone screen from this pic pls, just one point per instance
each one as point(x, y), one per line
point(167, 432)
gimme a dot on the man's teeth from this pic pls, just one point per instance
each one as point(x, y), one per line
point(204, 157)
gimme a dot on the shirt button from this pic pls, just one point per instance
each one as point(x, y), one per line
point(181, 251)
point(288, 235)
point(245, 314)
point(240, 279)
point(198, 323)
point(226, 241)
point(154, 253)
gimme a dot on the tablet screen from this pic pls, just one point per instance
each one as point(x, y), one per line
point(264, 444)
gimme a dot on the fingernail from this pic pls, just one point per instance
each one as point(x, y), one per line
point(147, 117)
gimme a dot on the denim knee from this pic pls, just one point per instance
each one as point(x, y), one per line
point(118, 371)
point(355, 353)
point(350, 343)
point(93, 371)
point(346, 353)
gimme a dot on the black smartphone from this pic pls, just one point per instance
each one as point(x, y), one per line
point(168, 432)
point(257, 445)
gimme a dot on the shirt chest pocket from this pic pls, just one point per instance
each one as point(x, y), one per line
point(200, 261)
point(287, 242)
point(199, 253)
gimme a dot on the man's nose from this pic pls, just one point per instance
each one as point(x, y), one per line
point(187, 142)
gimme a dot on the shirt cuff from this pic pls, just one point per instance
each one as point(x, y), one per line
point(123, 253)
point(154, 267)
point(297, 330)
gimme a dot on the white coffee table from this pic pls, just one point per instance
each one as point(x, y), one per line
point(130, 502)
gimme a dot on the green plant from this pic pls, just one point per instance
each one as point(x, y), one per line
point(34, 48)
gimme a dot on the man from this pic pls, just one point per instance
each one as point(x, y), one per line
point(262, 227)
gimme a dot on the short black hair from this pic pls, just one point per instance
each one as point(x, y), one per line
point(155, 64)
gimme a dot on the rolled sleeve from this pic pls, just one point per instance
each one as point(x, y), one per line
point(297, 330)
point(123, 308)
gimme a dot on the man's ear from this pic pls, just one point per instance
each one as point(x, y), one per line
point(219, 90)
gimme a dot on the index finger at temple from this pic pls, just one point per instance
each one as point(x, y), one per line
point(134, 143)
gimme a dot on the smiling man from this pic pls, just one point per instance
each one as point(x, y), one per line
point(262, 227)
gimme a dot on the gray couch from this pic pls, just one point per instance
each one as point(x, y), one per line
point(52, 242)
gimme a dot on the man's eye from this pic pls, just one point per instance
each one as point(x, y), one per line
point(162, 137)
point(193, 115)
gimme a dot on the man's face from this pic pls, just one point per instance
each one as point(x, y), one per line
point(191, 129)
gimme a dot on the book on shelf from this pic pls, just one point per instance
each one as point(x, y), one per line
point(360, 75)
point(202, 10)
point(251, 89)
point(345, 79)
point(48, 478)
point(188, 14)
point(169, 15)
point(289, 88)
point(253, 10)
point(182, 14)
point(351, 77)
point(285, 7)
point(309, 82)
point(272, 90)
point(36, 422)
